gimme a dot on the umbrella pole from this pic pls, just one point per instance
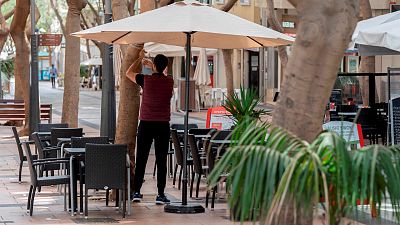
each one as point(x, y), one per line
point(184, 207)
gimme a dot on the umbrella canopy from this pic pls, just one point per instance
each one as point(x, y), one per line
point(202, 73)
point(378, 35)
point(92, 62)
point(209, 28)
point(154, 49)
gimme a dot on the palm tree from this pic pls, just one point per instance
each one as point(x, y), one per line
point(268, 167)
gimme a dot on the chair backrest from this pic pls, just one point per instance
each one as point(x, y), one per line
point(367, 117)
point(46, 127)
point(18, 141)
point(222, 135)
point(346, 108)
point(105, 166)
point(64, 133)
point(177, 146)
point(202, 131)
point(80, 142)
point(38, 144)
point(177, 126)
point(29, 158)
point(195, 154)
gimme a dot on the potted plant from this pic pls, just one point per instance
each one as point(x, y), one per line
point(243, 106)
point(272, 172)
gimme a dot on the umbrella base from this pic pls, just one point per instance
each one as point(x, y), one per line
point(184, 209)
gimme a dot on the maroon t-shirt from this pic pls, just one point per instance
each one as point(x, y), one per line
point(156, 97)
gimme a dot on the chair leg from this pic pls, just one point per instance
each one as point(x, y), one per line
point(155, 168)
point(198, 185)
point(29, 198)
point(191, 185)
point(180, 179)
point(116, 197)
point(80, 191)
point(174, 178)
point(107, 194)
point(32, 201)
point(123, 203)
point(170, 164)
point(20, 171)
point(213, 197)
point(207, 195)
point(86, 202)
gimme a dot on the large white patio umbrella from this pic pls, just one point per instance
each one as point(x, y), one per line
point(92, 62)
point(378, 35)
point(187, 23)
point(154, 49)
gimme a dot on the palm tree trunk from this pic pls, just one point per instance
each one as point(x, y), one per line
point(72, 59)
point(227, 54)
point(323, 33)
point(367, 64)
point(21, 67)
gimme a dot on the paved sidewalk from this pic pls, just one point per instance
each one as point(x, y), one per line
point(49, 205)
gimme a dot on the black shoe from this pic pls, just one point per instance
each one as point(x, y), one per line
point(162, 199)
point(137, 197)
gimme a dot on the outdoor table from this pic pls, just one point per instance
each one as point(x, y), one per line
point(347, 113)
point(202, 136)
point(74, 152)
point(44, 133)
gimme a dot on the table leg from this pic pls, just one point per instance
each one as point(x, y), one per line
point(72, 194)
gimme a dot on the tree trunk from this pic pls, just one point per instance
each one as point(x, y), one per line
point(276, 25)
point(367, 64)
point(4, 29)
point(21, 67)
point(58, 16)
point(323, 33)
point(129, 102)
point(227, 54)
point(72, 59)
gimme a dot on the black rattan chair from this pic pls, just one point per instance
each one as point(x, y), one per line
point(198, 168)
point(37, 182)
point(178, 157)
point(45, 153)
point(21, 155)
point(105, 168)
point(64, 133)
point(46, 127)
point(80, 142)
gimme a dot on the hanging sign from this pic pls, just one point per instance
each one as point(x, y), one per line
point(49, 39)
point(219, 118)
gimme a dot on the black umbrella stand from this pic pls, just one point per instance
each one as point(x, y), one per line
point(184, 207)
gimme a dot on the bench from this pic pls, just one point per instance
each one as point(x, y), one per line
point(14, 110)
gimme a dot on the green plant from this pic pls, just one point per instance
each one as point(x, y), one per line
point(269, 167)
point(243, 105)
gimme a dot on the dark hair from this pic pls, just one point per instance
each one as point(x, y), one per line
point(160, 62)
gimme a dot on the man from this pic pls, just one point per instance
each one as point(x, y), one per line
point(154, 118)
point(53, 75)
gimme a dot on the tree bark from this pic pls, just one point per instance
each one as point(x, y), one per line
point(323, 33)
point(4, 29)
point(21, 67)
point(367, 64)
point(276, 25)
point(58, 16)
point(72, 59)
point(227, 54)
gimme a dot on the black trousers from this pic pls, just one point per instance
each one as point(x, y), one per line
point(53, 81)
point(147, 132)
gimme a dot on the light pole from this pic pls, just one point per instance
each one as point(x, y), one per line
point(108, 111)
point(34, 114)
